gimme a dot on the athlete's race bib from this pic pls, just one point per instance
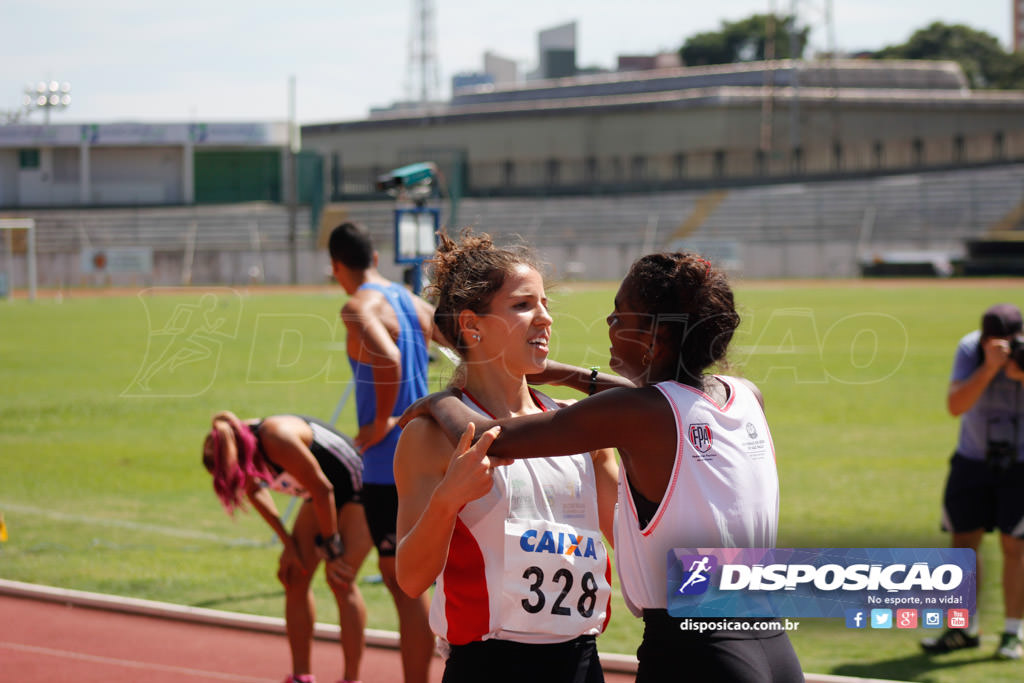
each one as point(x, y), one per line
point(554, 579)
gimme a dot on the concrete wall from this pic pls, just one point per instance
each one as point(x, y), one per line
point(717, 139)
point(8, 177)
point(823, 229)
point(565, 263)
point(118, 175)
point(136, 175)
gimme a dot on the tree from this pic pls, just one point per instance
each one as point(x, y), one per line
point(985, 63)
point(745, 40)
point(1009, 74)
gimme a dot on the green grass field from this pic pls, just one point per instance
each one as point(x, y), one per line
point(105, 402)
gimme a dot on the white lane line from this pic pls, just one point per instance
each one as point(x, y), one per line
point(127, 524)
point(145, 666)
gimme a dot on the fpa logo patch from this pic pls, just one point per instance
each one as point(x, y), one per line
point(700, 437)
point(696, 573)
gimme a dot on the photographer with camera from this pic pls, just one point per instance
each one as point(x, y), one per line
point(985, 487)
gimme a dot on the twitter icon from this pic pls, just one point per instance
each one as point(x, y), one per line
point(881, 618)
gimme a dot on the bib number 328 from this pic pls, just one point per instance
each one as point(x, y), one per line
point(563, 577)
point(554, 579)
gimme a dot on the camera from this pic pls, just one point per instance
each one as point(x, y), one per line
point(407, 178)
point(999, 454)
point(1001, 442)
point(1017, 350)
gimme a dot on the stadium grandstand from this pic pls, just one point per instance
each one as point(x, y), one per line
point(683, 127)
point(833, 168)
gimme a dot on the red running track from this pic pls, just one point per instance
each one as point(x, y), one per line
point(51, 642)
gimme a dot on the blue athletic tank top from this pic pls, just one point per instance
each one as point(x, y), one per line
point(378, 460)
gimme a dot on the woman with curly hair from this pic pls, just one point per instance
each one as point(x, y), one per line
point(697, 458)
point(522, 576)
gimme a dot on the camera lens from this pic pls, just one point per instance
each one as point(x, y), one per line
point(1017, 351)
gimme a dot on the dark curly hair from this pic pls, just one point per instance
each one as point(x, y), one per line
point(692, 307)
point(466, 275)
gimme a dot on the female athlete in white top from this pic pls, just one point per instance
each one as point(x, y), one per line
point(699, 468)
point(522, 577)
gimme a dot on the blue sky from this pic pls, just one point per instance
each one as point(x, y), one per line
point(224, 60)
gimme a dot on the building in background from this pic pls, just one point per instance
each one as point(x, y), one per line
point(503, 71)
point(471, 79)
point(556, 52)
point(1018, 25)
point(142, 164)
point(663, 60)
point(686, 126)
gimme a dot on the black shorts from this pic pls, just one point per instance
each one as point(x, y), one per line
point(343, 491)
point(669, 653)
point(380, 501)
point(345, 472)
point(506, 661)
point(980, 496)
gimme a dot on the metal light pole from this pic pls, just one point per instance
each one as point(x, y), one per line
point(292, 185)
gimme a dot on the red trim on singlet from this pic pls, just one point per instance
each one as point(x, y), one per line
point(679, 451)
point(608, 578)
point(465, 581)
point(478, 404)
point(728, 404)
point(465, 588)
point(670, 489)
point(728, 401)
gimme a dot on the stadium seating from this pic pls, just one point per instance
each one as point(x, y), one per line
point(935, 211)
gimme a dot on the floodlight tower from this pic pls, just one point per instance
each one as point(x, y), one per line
point(423, 74)
point(47, 96)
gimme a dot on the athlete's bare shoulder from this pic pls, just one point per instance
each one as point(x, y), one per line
point(365, 304)
point(423, 447)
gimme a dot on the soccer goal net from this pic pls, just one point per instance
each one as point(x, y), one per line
point(17, 236)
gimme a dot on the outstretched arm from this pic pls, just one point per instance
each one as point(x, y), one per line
point(628, 419)
point(578, 378)
point(433, 484)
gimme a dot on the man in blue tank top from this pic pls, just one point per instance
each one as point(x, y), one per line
point(386, 338)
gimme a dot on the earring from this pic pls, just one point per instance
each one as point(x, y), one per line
point(646, 359)
point(476, 337)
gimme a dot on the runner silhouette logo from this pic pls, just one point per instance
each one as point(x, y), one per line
point(696, 573)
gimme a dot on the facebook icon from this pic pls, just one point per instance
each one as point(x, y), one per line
point(856, 618)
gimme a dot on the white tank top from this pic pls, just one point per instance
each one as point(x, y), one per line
point(526, 561)
point(724, 491)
